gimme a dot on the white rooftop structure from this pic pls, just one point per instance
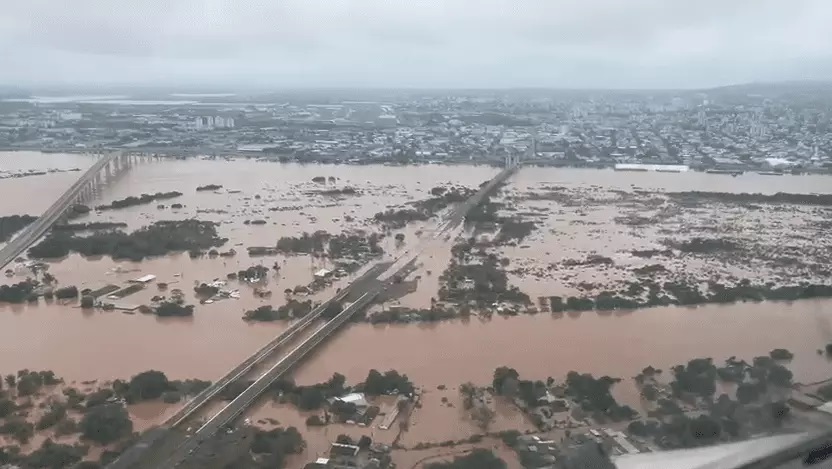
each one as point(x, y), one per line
point(144, 279)
point(356, 398)
point(323, 273)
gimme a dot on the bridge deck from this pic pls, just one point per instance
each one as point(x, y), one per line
point(33, 232)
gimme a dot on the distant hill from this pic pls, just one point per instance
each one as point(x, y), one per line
point(775, 88)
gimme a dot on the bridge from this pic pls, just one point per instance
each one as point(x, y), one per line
point(168, 445)
point(109, 166)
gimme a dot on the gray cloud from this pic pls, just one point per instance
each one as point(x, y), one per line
point(426, 43)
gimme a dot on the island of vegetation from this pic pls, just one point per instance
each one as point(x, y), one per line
point(293, 309)
point(321, 243)
point(423, 209)
point(323, 396)
point(140, 200)
point(158, 239)
point(11, 224)
point(209, 187)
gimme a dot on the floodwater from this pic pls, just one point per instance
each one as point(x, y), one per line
point(81, 345)
point(584, 212)
point(544, 345)
point(109, 345)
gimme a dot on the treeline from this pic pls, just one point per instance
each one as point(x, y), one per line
point(91, 226)
point(140, 200)
point(477, 459)
point(173, 309)
point(209, 187)
point(333, 246)
point(17, 292)
point(424, 209)
point(11, 224)
point(158, 239)
point(400, 315)
point(755, 410)
point(293, 309)
point(593, 395)
point(747, 198)
point(314, 396)
point(646, 293)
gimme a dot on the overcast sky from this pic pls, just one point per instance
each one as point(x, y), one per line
point(415, 43)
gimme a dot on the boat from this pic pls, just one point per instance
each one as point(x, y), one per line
point(769, 173)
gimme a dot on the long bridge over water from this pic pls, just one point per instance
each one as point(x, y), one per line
point(106, 169)
point(171, 443)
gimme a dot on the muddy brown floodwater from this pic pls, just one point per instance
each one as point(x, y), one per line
point(620, 344)
point(81, 345)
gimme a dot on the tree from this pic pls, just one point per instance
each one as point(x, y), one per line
point(66, 293)
point(276, 445)
point(18, 429)
point(106, 424)
point(510, 437)
point(747, 393)
point(55, 413)
point(311, 397)
point(704, 428)
point(501, 374)
point(343, 439)
point(28, 384)
point(11, 380)
point(364, 442)
point(391, 381)
point(148, 385)
point(99, 397)
point(476, 459)
point(87, 301)
point(483, 416)
point(637, 427)
point(55, 456)
point(779, 411)
point(510, 387)
point(649, 392)
point(781, 354)
point(779, 375)
point(7, 406)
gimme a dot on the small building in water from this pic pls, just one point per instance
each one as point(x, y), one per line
point(144, 279)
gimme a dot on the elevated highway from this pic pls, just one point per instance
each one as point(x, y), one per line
point(172, 443)
point(79, 191)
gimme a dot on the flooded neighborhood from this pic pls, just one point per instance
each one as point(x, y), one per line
point(290, 235)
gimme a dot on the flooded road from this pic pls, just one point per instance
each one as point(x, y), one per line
point(81, 345)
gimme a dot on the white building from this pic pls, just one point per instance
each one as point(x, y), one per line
point(213, 122)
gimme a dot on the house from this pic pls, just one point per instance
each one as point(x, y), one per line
point(355, 398)
point(343, 450)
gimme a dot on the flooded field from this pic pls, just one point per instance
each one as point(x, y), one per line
point(598, 230)
point(578, 214)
